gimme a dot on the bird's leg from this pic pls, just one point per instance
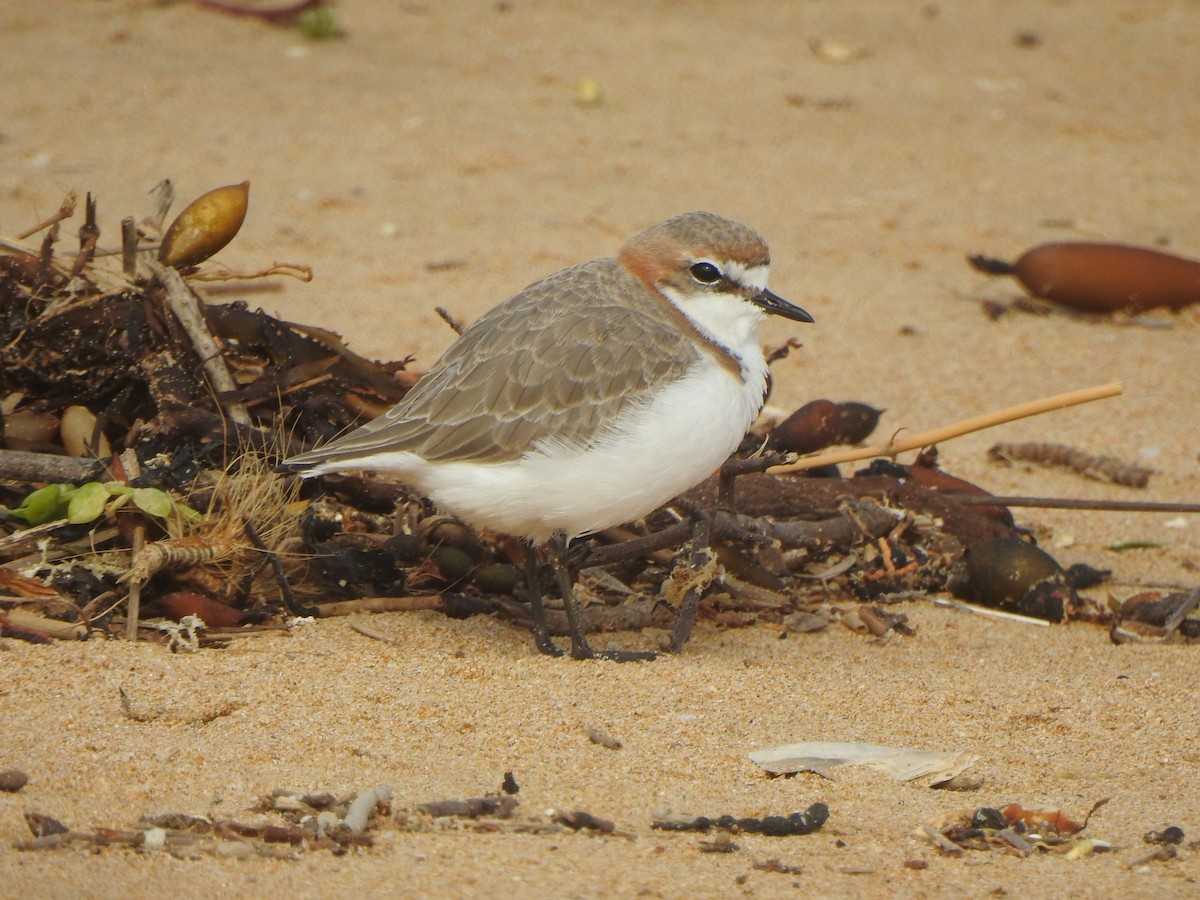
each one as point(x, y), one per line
point(580, 648)
point(688, 609)
point(533, 584)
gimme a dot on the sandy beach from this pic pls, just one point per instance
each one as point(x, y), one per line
point(448, 154)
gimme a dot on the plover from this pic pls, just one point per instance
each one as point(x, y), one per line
point(587, 400)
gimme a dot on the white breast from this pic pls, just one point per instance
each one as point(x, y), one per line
point(653, 454)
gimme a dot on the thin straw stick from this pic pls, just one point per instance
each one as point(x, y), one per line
point(958, 429)
point(1155, 506)
point(134, 609)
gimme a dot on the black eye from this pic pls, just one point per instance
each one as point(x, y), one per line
point(705, 273)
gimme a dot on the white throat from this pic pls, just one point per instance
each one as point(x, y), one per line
point(727, 319)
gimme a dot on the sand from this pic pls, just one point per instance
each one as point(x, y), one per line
point(439, 154)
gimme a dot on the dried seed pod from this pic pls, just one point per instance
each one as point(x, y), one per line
point(77, 429)
point(499, 578)
point(453, 564)
point(444, 531)
point(1003, 570)
point(812, 427)
point(1102, 277)
point(215, 614)
point(822, 423)
point(207, 224)
point(856, 421)
point(25, 429)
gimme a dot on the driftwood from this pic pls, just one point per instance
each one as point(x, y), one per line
point(765, 496)
point(22, 465)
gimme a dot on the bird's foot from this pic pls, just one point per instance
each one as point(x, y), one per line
point(627, 655)
point(545, 644)
point(581, 649)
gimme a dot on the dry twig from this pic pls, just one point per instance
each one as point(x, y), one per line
point(135, 587)
point(1076, 503)
point(187, 309)
point(64, 212)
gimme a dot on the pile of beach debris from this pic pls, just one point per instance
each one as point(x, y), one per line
point(142, 423)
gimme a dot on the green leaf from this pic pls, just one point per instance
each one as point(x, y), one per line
point(87, 503)
point(42, 505)
point(153, 501)
point(187, 512)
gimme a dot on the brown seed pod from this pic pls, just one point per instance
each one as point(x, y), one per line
point(1102, 277)
point(207, 224)
point(215, 614)
point(812, 427)
point(1003, 570)
point(856, 421)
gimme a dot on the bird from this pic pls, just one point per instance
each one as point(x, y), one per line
point(588, 399)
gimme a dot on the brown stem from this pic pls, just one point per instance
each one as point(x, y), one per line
point(64, 212)
point(186, 307)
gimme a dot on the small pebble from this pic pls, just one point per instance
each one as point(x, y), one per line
point(962, 782)
point(588, 93)
point(12, 780)
point(1172, 834)
point(509, 784)
point(596, 736)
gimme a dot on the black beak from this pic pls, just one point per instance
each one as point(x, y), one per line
point(777, 306)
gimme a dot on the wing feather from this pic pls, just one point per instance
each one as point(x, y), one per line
point(554, 365)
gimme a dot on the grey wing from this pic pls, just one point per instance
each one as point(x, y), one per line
point(552, 365)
